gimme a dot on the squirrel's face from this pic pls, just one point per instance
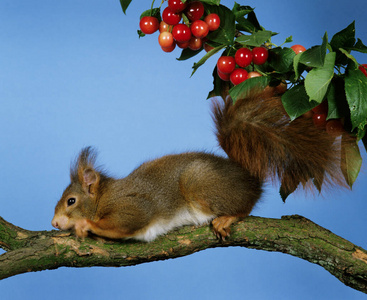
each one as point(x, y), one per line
point(72, 207)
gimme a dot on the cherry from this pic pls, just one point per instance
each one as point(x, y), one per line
point(165, 39)
point(182, 45)
point(363, 68)
point(195, 10)
point(148, 24)
point(213, 21)
point(207, 47)
point(163, 26)
point(226, 64)
point(298, 49)
point(170, 17)
point(238, 75)
point(176, 5)
point(223, 76)
point(260, 55)
point(195, 43)
point(199, 28)
point(181, 33)
point(319, 120)
point(321, 108)
point(169, 48)
point(334, 127)
point(254, 74)
point(243, 57)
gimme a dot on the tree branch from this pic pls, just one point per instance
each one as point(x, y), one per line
point(29, 251)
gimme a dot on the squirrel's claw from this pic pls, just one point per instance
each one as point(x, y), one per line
point(221, 226)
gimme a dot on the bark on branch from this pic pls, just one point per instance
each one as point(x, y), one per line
point(29, 251)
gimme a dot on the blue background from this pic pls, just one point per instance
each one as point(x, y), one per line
point(74, 73)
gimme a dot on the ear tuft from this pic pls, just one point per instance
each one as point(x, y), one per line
point(83, 169)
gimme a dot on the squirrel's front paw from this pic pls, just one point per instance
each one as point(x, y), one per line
point(81, 228)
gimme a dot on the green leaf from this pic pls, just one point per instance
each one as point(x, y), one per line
point(241, 11)
point(288, 40)
point(281, 59)
point(211, 2)
point(318, 79)
point(226, 32)
point(350, 56)
point(219, 85)
point(249, 24)
point(188, 53)
point(351, 160)
point(343, 39)
point(155, 12)
point(337, 103)
point(256, 39)
point(356, 92)
point(359, 46)
point(296, 102)
point(298, 68)
point(205, 58)
point(125, 4)
point(249, 87)
point(315, 56)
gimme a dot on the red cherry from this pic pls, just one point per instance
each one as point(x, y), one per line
point(298, 49)
point(148, 24)
point(243, 57)
point(226, 64)
point(176, 5)
point(199, 28)
point(207, 47)
point(163, 26)
point(169, 48)
point(238, 75)
point(363, 68)
point(321, 108)
point(213, 21)
point(181, 33)
point(195, 43)
point(319, 120)
point(195, 10)
point(165, 39)
point(182, 45)
point(223, 76)
point(334, 127)
point(260, 55)
point(170, 17)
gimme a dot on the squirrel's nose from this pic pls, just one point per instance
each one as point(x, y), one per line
point(55, 224)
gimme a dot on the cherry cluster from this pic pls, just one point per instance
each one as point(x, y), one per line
point(189, 34)
point(232, 69)
point(319, 113)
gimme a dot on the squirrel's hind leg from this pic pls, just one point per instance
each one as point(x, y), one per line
point(221, 226)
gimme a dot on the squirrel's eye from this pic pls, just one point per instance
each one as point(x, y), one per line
point(71, 201)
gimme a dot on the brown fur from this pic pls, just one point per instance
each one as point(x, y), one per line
point(171, 191)
point(257, 133)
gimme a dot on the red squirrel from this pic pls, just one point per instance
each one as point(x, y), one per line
point(197, 188)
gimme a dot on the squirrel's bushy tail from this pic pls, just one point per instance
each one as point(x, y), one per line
point(257, 133)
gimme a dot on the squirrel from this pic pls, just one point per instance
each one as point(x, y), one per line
point(197, 188)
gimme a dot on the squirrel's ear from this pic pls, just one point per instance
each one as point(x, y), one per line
point(84, 173)
point(89, 179)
